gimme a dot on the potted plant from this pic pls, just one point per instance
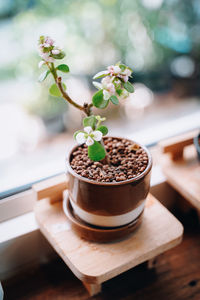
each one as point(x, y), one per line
point(109, 177)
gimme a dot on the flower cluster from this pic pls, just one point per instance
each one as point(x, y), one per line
point(48, 50)
point(92, 136)
point(115, 81)
point(88, 136)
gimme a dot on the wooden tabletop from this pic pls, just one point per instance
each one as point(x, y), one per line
point(177, 276)
point(96, 263)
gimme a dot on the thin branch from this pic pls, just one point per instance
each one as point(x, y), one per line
point(86, 108)
point(66, 96)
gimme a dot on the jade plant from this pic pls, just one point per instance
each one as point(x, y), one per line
point(114, 86)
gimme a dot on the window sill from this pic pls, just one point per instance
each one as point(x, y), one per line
point(26, 223)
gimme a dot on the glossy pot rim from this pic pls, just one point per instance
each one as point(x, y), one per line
point(135, 179)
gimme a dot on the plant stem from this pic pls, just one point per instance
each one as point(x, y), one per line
point(98, 123)
point(66, 96)
point(86, 108)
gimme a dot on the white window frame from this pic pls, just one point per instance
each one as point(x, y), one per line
point(22, 203)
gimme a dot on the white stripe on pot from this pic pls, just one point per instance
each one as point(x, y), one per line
point(108, 221)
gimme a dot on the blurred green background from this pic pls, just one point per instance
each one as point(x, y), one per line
point(158, 39)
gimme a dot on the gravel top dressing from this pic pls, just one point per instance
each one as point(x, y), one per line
point(127, 160)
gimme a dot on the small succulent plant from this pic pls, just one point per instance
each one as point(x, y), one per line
point(114, 86)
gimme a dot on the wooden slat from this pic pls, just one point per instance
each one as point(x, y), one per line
point(182, 174)
point(93, 289)
point(175, 145)
point(51, 188)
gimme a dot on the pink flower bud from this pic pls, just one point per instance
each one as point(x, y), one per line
point(47, 58)
point(49, 41)
point(55, 51)
point(114, 70)
point(126, 72)
point(123, 77)
point(46, 45)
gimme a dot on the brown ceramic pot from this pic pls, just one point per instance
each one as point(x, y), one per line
point(94, 233)
point(106, 204)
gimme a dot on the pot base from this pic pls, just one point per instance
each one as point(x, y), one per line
point(95, 233)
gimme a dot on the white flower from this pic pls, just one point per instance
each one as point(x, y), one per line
point(97, 135)
point(88, 129)
point(113, 82)
point(80, 138)
point(89, 136)
point(55, 51)
point(89, 141)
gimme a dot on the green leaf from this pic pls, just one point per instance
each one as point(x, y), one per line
point(44, 75)
point(89, 121)
point(100, 74)
point(63, 68)
point(96, 152)
point(119, 92)
point(54, 90)
point(46, 49)
point(41, 39)
point(97, 85)
point(122, 67)
point(61, 55)
point(103, 129)
point(98, 100)
point(128, 86)
point(104, 104)
point(114, 100)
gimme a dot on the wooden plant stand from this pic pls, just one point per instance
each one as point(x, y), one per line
point(181, 166)
point(95, 263)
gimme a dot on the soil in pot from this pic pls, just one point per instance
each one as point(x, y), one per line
point(127, 160)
